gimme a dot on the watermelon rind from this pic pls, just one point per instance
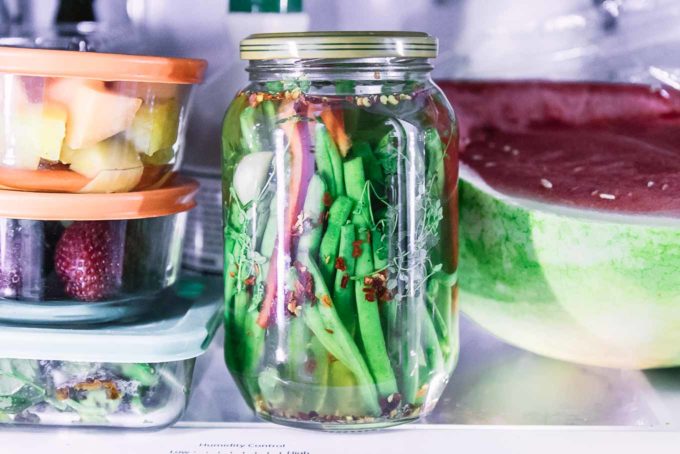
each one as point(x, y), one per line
point(586, 286)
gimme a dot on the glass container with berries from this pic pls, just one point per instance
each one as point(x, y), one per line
point(340, 182)
point(90, 258)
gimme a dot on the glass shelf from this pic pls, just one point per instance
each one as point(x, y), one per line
point(501, 399)
point(494, 384)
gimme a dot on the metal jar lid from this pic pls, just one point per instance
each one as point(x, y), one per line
point(268, 46)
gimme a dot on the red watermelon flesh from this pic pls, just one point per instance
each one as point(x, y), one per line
point(612, 147)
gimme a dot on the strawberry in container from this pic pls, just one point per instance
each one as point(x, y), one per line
point(90, 258)
point(83, 122)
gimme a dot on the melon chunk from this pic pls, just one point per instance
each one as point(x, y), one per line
point(94, 113)
point(155, 127)
point(35, 132)
point(113, 166)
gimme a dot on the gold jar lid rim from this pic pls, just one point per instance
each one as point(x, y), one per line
point(367, 44)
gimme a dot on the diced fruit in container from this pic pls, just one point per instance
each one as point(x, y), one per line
point(159, 158)
point(114, 181)
point(155, 126)
point(113, 166)
point(251, 175)
point(94, 113)
point(35, 132)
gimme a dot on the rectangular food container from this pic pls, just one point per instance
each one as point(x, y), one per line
point(89, 258)
point(91, 122)
point(128, 376)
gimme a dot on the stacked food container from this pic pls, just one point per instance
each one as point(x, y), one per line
point(97, 327)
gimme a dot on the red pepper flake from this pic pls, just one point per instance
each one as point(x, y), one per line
point(340, 264)
point(249, 280)
point(232, 274)
point(344, 280)
point(326, 300)
point(291, 299)
point(368, 236)
point(329, 331)
point(356, 248)
point(422, 392)
point(369, 294)
point(368, 281)
point(310, 366)
point(62, 393)
point(384, 296)
point(306, 281)
point(327, 199)
point(252, 100)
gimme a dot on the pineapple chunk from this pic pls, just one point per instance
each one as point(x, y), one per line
point(94, 113)
point(155, 127)
point(35, 132)
point(159, 158)
point(112, 165)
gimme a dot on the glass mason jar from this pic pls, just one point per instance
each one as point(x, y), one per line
point(340, 181)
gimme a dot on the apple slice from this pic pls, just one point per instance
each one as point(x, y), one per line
point(113, 166)
point(94, 113)
point(155, 126)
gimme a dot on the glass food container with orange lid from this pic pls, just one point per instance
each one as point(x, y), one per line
point(91, 122)
point(90, 258)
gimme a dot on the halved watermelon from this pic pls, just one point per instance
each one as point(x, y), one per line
point(570, 218)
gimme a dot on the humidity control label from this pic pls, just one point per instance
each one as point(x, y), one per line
point(242, 448)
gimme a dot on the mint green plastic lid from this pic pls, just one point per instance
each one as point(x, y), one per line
point(182, 328)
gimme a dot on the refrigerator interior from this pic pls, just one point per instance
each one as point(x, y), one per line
point(495, 386)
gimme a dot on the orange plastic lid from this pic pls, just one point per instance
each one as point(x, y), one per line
point(176, 196)
point(106, 67)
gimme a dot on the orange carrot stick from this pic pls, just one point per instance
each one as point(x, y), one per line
point(335, 123)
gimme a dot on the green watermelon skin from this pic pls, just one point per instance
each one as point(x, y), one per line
point(577, 286)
